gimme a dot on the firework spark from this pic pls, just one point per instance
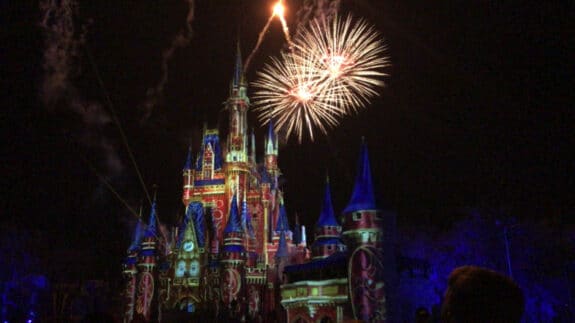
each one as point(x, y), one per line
point(333, 68)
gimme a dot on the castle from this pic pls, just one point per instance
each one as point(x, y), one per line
point(234, 255)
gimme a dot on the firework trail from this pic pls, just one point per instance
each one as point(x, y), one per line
point(318, 9)
point(259, 42)
point(333, 68)
point(181, 40)
point(278, 11)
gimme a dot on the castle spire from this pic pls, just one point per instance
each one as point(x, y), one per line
point(244, 215)
point(363, 233)
point(362, 197)
point(271, 140)
point(327, 215)
point(282, 224)
point(188, 164)
point(282, 246)
point(253, 147)
point(239, 76)
point(138, 233)
point(152, 222)
point(237, 105)
point(187, 179)
point(327, 230)
point(233, 224)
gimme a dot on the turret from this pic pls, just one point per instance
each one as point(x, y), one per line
point(188, 179)
point(148, 245)
point(146, 293)
point(130, 271)
point(190, 247)
point(253, 147)
point(327, 230)
point(237, 104)
point(363, 233)
point(233, 257)
point(271, 149)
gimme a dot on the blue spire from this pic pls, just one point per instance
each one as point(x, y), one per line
point(151, 230)
point(327, 216)
point(250, 227)
point(282, 224)
point(271, 142)
point(266, 177)
point(234, 220)
point(210, 137)
point(188, 164)
point(362, 197)
point(282, 246)
point(239, 69)
point(138, 232)
point(195, 214)
point(271, 132)
point(245, 215)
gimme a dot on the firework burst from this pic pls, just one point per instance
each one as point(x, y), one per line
point(290, 94)
point(333, 68)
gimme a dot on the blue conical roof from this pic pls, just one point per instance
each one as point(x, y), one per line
point(188, 164)
point(194, 214)
point(362, 197)
point(271, 132)
point(250, 226)
point(282, 224)
point(213, 140)
point(234, 218)
point(239, 69)
point(152, 224)
point(271, 140)
point(327, 215)
point(244, 215)
point(138, 233)
point(282, 247)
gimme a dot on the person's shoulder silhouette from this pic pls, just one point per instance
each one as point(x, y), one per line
point(476, 294)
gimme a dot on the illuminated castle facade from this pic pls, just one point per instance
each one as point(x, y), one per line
point(234, 256)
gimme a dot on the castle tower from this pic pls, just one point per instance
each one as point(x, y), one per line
point(237, 104)
point(190, 258)
point(130, 271)
point(145, 291)
point(188, 177)
point(237, 168)
point(363, 233)
point(327, 231)
point(271, 151)
point(232, 259)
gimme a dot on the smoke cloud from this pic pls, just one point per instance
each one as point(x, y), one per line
point(182, 39)
point(316, 9)
point(63, 42)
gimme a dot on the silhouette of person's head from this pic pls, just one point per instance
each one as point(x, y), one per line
point(422, 315)
point(476, 294)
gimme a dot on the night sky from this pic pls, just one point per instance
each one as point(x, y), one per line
point(476, 112)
